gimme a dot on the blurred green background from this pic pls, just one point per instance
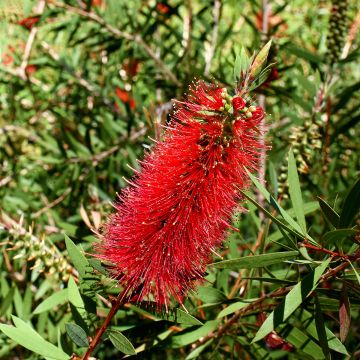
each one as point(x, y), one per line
point(84, 85)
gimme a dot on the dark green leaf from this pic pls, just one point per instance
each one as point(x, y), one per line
point(210, 295)
point(309, 324)
point(337, 235)
point(195, 353)
point(320, 328)
point(351, 206)
point(330, 214)
point(77, 334)
point(181, 317)
point(255, 261)
point(121, 342)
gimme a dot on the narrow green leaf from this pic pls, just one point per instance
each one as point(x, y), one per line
point(242, 63)
point(195, 353)
point(77, 257)
point(331, 215)
point(58, 298)
point(18, 303)
point(304, 344)
point(232, 308)
point(320, 328)
point(77, 334)
point(27, 337)
point(351, 206)
point(292, 301)
point(210, 295)
point(260, 59)
point(295, 191)
point(181, 317)
point(6, 302)
point(337, 235)
point(270, 216)
point(255, 261)
point(190, 337)
point(74, 295)
point(334, 343)
point(121, 342)
point(356, 273)
point(275, 205)
point(303, 53)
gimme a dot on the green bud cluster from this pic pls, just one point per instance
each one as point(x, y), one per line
point(306, 142)
point(337, 31)
point(347, 155)
point(46, 257)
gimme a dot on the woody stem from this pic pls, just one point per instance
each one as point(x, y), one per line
point(100, 332)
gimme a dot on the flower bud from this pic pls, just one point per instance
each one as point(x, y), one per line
point(238, 103)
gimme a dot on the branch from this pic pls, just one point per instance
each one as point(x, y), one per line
point(52, 204)
point(259, 304)
point(262, 103)
point(22, 69)
point(120, 35)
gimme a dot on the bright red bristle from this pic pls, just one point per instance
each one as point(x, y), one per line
point(167, 224)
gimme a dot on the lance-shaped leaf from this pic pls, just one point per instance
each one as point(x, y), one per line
point(344, 314)
point(255, 261)
point(292, 301)
point(351, 206)
point(260, 59)
point(295, 192)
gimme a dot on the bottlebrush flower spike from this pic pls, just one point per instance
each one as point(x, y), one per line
point(177, 209)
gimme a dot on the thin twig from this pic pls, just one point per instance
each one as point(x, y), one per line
point(52, 204)
point(96, 158)
point(262, 103)
point(187, 33)
point(120, 35)
point(26, 56)
point(351, 37)
point(210, 51)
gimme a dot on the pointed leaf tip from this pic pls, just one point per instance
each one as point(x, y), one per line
point(260, 59)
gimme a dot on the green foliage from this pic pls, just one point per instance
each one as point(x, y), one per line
point(82, 93)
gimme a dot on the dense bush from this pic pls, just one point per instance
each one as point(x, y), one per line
point(86, 85)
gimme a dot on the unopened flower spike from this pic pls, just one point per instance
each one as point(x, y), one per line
point(178, 208)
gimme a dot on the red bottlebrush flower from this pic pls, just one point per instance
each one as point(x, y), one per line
point(7, 59)
point(178, 208)
point(29, 22)
point(96, 2)
point(162, 8)
point(30, 69)
point(125, 97)
point(131, 67)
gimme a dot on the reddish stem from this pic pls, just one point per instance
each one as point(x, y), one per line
point(115, 307)
point(326, 251)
